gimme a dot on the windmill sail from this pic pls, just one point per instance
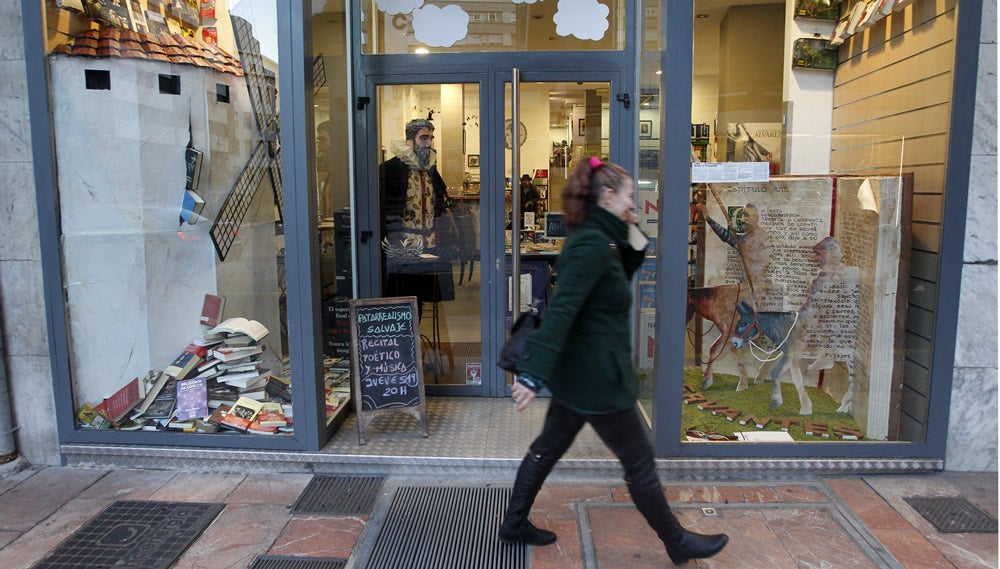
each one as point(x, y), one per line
point(266, 155)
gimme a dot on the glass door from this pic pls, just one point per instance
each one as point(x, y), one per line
point(444, 181)
point(556, 124)
point(428, 182)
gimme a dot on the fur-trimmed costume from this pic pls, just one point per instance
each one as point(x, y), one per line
point(411, 198)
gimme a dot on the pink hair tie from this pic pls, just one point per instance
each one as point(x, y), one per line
point(594, 162)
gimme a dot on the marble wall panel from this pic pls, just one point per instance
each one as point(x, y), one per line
point(988, 31)
point(984, 130)
point(14, 112)
point(972, 435)
point(33, 405)
point(981, 221)
point(19, 210)
point(25, 332)
point(11, 35)
point(976, 344)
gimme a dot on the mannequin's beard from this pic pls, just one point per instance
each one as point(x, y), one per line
point(423, 155)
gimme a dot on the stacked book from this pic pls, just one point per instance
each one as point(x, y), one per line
point(234, 359)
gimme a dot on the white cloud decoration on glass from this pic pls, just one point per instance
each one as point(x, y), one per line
point(584, 19)
point(440, 27)
point(398, 6)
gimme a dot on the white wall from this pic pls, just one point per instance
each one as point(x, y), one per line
point(808, 98)
point(135, 277)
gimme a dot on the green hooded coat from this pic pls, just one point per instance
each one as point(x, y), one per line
point(582, 350)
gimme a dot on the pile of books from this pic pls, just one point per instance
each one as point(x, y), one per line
point(257, 417)
point(219, 371)
point(336, 383)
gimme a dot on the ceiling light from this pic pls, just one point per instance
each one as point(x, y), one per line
point(701, 16)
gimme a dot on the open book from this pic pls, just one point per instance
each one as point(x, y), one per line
point(240, 325)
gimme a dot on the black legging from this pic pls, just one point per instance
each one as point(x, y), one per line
point(624, 432)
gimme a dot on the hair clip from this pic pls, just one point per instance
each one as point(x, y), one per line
point(594, 162)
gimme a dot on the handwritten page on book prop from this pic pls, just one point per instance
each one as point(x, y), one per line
point(386, 362)
point(876, 241)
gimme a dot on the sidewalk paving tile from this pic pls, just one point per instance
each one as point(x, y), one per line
point(875, 512)
point(911, 548)
point(186, 487)
point(128, 484)
point(270, 488)
point(238, 535)
point(313, 535)
point(40, 495)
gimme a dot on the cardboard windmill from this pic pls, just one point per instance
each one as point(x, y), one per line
point(266, 155)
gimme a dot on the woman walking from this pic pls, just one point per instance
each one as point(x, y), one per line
point(582, 353)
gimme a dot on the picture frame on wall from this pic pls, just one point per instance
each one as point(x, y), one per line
point(581, 128)
point(473, 161)
point(817, 10)
point(646, 129)
point(813, 53)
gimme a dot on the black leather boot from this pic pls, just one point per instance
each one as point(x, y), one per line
point(516, 527)
point(696, 546)
point(681, 544)
point(526, 532)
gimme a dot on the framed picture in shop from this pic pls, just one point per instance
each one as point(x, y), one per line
point(645, 129)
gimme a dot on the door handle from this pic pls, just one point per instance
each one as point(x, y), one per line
point(366, 234)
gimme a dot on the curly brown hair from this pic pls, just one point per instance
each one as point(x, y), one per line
point(586, 182)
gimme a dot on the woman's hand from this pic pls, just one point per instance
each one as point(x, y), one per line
point(631, 218)
point(522, 396)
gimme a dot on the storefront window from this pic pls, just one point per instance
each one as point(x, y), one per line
point(331, 118)
point(393, 27)
point(165, 118)
point(806, 219)
point(647, 201)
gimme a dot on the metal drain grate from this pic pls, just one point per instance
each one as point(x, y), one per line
point(346, 495)
point(953, 515)
point(151, 535)
point(288, 562)
point(446, 528)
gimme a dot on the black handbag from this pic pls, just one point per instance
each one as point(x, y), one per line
point(513, 348)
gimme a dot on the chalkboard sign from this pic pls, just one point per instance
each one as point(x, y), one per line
point(386, 360)
point(555, 224)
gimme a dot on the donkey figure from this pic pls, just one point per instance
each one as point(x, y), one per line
point(715, 304)
point(781, 329)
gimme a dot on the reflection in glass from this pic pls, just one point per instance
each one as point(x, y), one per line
point(492, 26)
point(330, 119)
point(561, 123)
point(428, 180)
